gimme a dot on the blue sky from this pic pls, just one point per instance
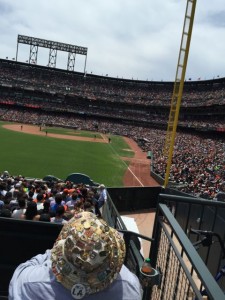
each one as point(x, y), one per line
point(137, 39)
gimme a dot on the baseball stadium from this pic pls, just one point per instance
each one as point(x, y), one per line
point(160, 163)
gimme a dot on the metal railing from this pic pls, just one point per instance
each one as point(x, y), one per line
point(200, 214)
point(181, 271)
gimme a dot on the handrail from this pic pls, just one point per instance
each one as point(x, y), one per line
point(213, 290)
point(183, 199)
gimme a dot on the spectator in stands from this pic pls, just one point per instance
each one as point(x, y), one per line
point(88, 205)
point(45, 217)
point(78, 206)
point(66, 195)
point(8, 197)
point(78, 267)
point(31, 212)
point(14, 201)
point(5, 212)
point(73, 200)
point(46, 212)
point(83, 192)
point(46, 207)
point(6, 201)
point(3, 188)
point(102, 195)
point(31, 193)
point(101, 199)
point(58, 201)
point(92, 196)
point(59, 213)
point(17, 213)
point(52, 195)
point(39, 201)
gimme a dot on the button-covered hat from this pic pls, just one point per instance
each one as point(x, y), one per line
point(88, 255)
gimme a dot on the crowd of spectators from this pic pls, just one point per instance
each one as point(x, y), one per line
point(198, 165)
point(38, 200)
point(131, 117)
point(106, 89)
point(93, 101)
point(147, 102)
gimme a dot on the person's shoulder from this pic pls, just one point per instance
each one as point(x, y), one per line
point(131, 283)
point(125, 273)
point(16, 213)
point(126, 286)
point(32, 277)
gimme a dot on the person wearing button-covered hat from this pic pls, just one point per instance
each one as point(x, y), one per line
point(86, 262)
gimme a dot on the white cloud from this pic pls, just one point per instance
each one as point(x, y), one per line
point(128, 38)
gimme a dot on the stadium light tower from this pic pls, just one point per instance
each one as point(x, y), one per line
point(36, 43)
point(178, 85)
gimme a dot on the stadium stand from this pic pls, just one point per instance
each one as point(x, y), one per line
point(137, 109)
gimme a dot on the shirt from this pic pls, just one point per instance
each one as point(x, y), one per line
point(17, 213)
point(58, 220)
point(102, 196)
point(34, 279)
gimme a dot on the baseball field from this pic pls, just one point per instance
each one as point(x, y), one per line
point(34, 155)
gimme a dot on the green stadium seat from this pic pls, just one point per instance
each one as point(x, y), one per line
point(81, 178)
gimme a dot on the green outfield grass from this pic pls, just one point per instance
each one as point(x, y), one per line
point(38, 156)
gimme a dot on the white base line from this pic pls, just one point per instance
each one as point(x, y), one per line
point(135, 176)
point(103, 136)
